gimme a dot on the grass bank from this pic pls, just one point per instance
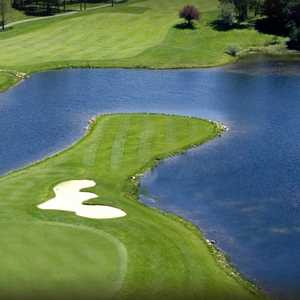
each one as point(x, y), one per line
point(8, 79)
point(145, 255)
point(134, 34)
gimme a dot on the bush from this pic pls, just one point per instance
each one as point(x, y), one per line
point(233, 50)
point(189, 13)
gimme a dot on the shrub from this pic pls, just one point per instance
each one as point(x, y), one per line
point(232, 50)
point(189, 13)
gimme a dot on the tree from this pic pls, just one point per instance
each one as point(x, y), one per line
point(227, 14)
point(276, 9)
point(189, 13)
point(4, 5)
point(241, 8)
point(256, 6)
point(294, 12)
point(294, 36)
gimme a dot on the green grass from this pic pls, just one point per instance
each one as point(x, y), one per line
point(7, 79)
point(134, 34)
point(146, 255)
point(14, 15)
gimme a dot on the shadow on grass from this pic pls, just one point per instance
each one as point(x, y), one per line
point(220, 25)
point(185, 25)
point(293, 45)
point(271, 26)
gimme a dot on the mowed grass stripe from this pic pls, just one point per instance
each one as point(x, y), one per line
point(117, 150)
point(165, 254)
point(146, 137)
point(121, 37)
point(90, 154)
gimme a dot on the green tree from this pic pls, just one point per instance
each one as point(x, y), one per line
point(227, 14)
point(241, 8)
point(276, 9)
point(256, 6)
point(294, 36)
point(4, 7)
point(294, 11)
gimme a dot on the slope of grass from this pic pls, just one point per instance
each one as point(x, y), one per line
point(133, 34)
point(146, 255)
point(7, 80)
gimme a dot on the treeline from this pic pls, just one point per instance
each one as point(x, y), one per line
point(39, 7)
point(280, 17)
point(48, 7)
point(43, 7)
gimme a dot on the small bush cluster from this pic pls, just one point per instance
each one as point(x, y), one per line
point(233, 50)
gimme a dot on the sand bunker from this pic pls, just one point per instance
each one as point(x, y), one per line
point(70, 198)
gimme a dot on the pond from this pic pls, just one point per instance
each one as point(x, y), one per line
point(242, 190)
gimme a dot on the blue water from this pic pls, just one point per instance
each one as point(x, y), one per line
point(242, 190)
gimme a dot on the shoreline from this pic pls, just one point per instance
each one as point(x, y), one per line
point(218, 255)
point(27, 72)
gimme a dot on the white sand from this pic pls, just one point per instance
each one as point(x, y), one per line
point(69, 198)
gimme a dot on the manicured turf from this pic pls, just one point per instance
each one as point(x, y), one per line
point(134, 34)
point(145, 255)
point(7, 80)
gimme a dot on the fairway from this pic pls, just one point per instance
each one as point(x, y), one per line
point(132, 34)
point(145, 255)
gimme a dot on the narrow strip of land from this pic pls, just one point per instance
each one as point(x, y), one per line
point(167, 257)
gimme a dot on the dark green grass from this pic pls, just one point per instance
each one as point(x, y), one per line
point(146, 255)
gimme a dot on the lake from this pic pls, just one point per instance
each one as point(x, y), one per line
point(242, 190)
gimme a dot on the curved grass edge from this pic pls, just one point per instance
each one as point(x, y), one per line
point(128, 63)
point(221, 259)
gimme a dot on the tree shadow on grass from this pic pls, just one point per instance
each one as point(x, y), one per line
point(220, 25)
point(271, 26)
point(185, 25)
point(293, 45)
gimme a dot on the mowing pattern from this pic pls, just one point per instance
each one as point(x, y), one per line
point(137, 33)
point(147, 255)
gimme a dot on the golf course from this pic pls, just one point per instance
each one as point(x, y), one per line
point(145, 254)
point(132, 34)
point(72, 225)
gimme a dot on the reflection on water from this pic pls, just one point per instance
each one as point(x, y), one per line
point(263, 65)
point(242, 189)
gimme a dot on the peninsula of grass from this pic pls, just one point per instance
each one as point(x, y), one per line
point(135, 34)
point(145, 255)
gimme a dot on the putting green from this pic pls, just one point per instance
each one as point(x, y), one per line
point(95, 262)
point(167, 258)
